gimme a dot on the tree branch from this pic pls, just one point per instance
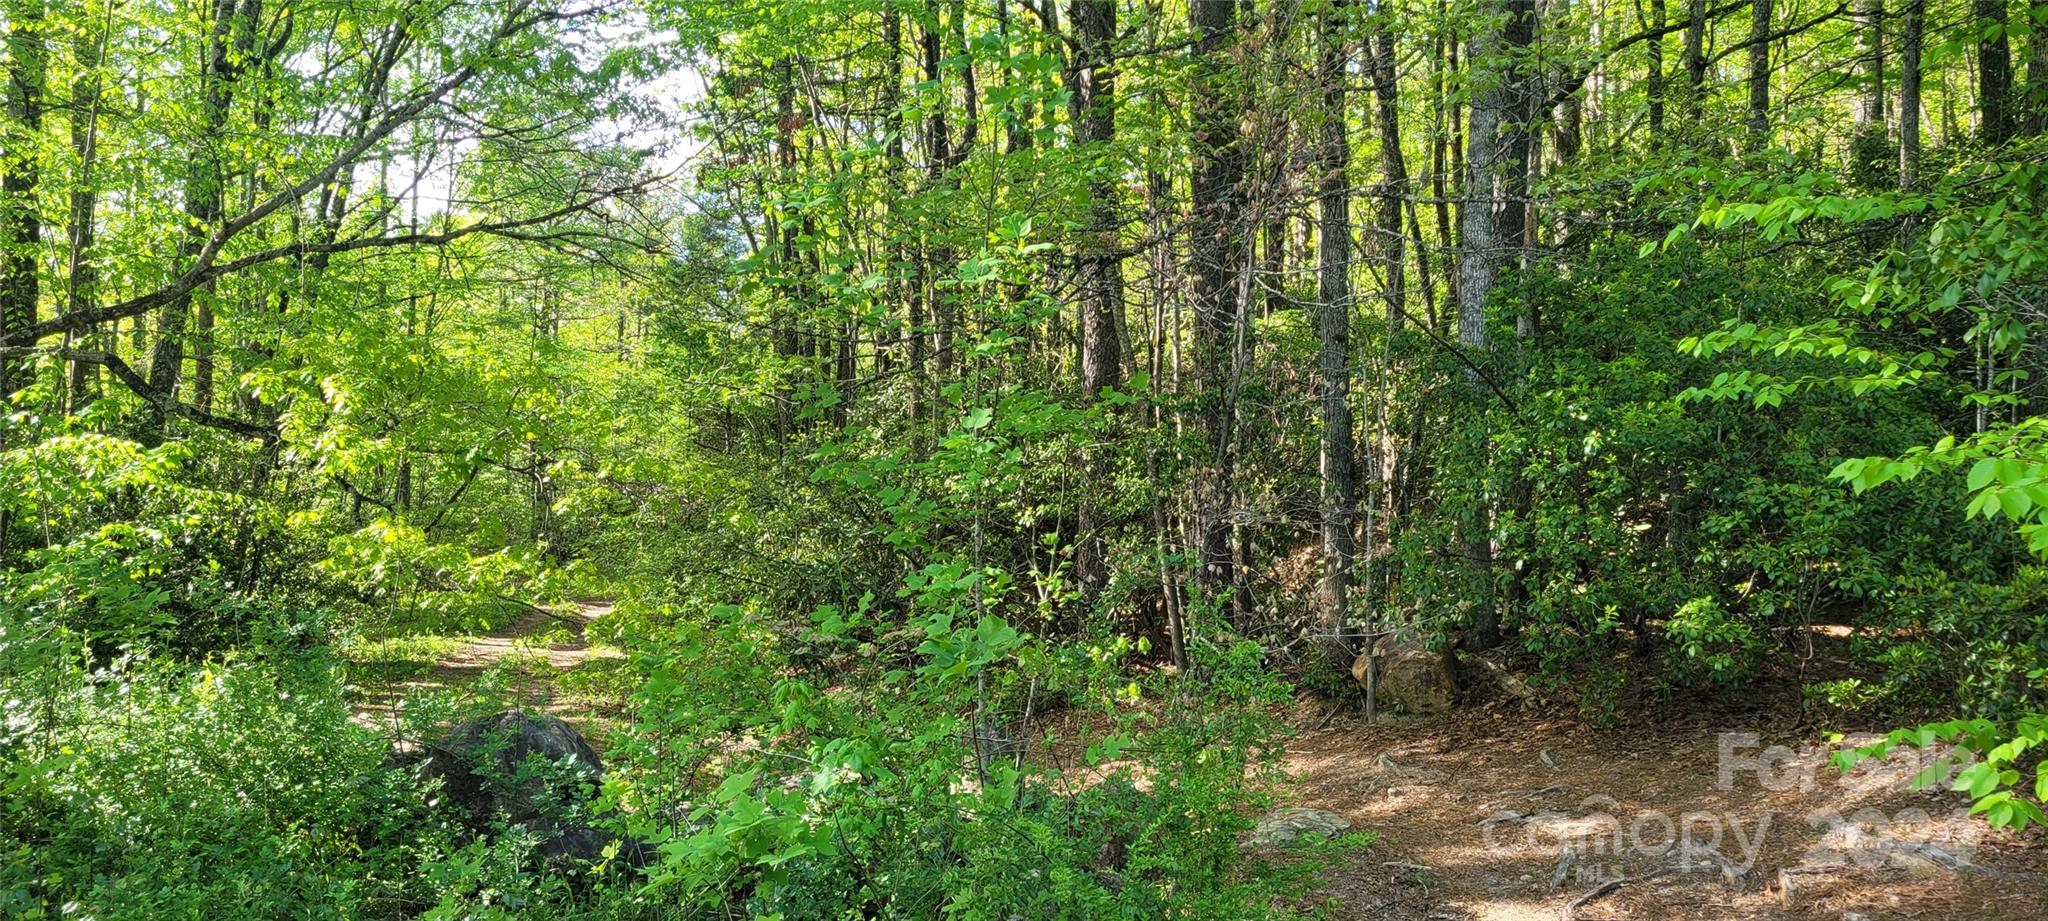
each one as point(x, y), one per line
point(1573, 84)
point(161, 401)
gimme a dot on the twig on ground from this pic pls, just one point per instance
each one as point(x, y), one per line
point(1571, 909)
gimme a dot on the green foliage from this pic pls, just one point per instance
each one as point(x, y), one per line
point(1953, 297)
point(2007, 784)
point(237, 789)
point(1706, 642)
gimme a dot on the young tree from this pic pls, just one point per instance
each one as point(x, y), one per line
point(1910, 45)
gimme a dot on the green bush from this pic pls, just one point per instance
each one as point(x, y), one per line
point(233, 790)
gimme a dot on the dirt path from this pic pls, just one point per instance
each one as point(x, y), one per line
point(1498, 816)
point(522, 662)
point(1495, 818)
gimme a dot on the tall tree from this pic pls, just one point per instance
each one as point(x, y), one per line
point(226, 50)
point(1217, 251)
point(1995, 121)
point(21, 224)
point(1759, 122)
point(1910, 46)
point(1695, 61)
point(1333, 283)
point(1091, 85)
point(82, 275)
point(1654, 81)
point(1491, 173)
point(2034, 120)
point(1870, 61)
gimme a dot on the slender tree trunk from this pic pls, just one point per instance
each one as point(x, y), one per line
point(1870, 113)
point(1909, 93)
point(1092, 108)
point(1995, 120)
point(938, 160)
point(1654, 82)
point(788, 344)
point(1333, 281)
point(1491, 173)
point(2034, 121)
point(1760, 73)
point(1695, 51)
point(1517, 133)
point(205, 179)
point(21, 225)
point(81, 276)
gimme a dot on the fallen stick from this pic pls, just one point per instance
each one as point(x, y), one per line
point(1571, 909)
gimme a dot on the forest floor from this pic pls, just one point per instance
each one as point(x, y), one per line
point(1492, 814)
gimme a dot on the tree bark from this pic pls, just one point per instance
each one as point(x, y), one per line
point(1695, 62)
point(1760, 73)
point(1654, 50)
point(1333, 282)
point(2034, 121)
point(1995, 120)
point(21, 225)
point(81, 275)
point(205, 179)
point(1909, 92)
point(1490, 210)
point(1870, 60)
point(1217, 250)
point(1092, 109)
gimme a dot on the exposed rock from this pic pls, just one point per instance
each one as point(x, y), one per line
point(1412, 678)
point(534, 771)
point(1283, 826)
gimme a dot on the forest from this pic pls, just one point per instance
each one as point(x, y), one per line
point(1024, 459)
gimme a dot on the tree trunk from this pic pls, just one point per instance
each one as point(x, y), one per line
point(21, 226)
point(1995, 120)
point(1870, 59)
point(1759, 73)
point(1092, 109)
point(1333, 282)
point(205, 179)
point(1909, 93)
point(939, 158)
point(1654, 81)
point(2034, 121)
point(81, 276)
point(1490, 173)
point(1695, 62)
point(1217, 251)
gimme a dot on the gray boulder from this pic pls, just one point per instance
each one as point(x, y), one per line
point(533, 771)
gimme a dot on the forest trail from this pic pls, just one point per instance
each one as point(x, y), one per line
point(1476, 817)
point(524, 664)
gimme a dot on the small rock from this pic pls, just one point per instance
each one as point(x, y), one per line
point(1282, 826)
